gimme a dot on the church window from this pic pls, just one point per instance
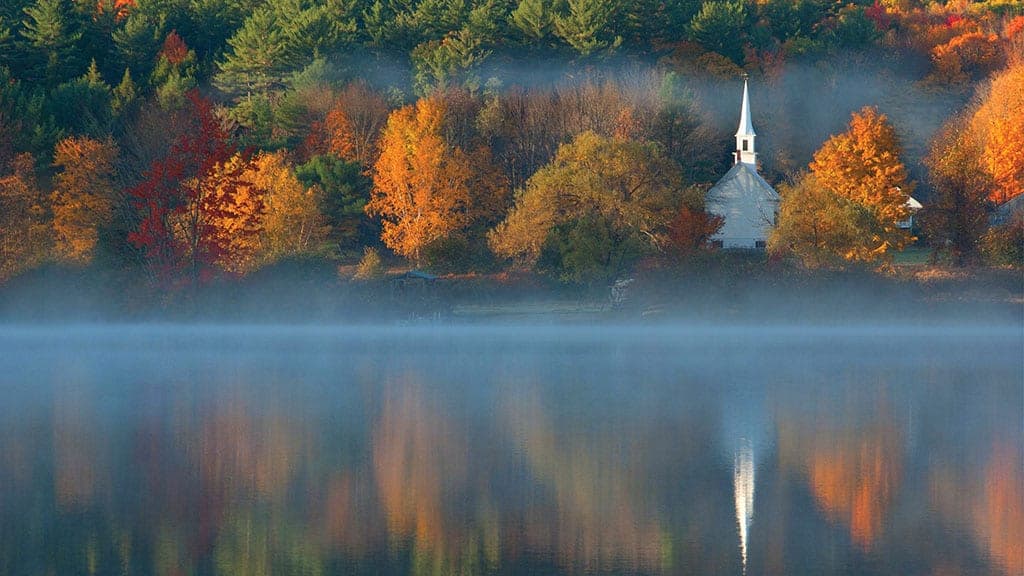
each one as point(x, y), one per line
point(744, 145)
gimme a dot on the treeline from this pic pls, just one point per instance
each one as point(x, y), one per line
point(183, 140)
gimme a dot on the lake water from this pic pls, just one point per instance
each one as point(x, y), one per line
point(663, 449)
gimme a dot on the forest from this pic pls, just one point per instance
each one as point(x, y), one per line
point(169, 145)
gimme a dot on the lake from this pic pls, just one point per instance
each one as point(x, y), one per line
point(578, 449)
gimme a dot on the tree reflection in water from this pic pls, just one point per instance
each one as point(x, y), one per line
point(520, 460)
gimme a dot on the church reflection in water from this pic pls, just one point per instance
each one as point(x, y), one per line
point(514, 464)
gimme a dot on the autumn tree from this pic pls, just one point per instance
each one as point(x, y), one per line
point(863, 165)
point(691, 229)
point(82, 196)
point(293, 224)
point(231, 215)
point(420, 183)
point(25, 234)
point(998, 124)
point(598, 204)
point(824, 229)
point(190, 206)
point(352, 125)
point(955, 218)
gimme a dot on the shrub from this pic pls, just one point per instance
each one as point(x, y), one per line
point(371, 266)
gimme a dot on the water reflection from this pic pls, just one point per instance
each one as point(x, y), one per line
point(743, 485)
point(455, 454)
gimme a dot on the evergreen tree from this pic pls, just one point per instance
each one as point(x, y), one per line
point(534, 20)
point(138, 41)
point(83, 106)
point(125, 94)
point(719, 27)
point(7, 45)
point(587, 27)
point(258, 59)
point(52, 33)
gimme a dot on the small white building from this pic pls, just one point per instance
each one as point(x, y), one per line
point(749, 204)
point(912, 206)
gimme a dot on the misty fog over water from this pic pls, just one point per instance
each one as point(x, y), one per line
point(669, 448)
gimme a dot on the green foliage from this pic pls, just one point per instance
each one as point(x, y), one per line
point(792, 18)
point(454, 60)
point(823, 229)
point(125, 95)
point(1004, 245)
point(83, 106)
point(719, 27)
point(26, 123)
point(588, 27)
point(260, 55)
point(853, 29)
point(533, 20)
point(457, 254)
point(628, 185)
point(344, 191)
point(138, 41)
point(52, 31)
point(588, 251)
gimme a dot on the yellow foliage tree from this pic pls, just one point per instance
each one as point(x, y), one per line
point(863, 165)
point(293, 223)
point(81, 198)
point(629, 185)
point(824, 229)
point(421, 184)
point(998, 123)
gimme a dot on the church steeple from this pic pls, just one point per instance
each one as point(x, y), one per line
point(745, 133)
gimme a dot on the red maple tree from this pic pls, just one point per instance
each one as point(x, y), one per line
point(185, 197)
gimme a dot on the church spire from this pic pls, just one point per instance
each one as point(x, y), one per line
point(745, 133)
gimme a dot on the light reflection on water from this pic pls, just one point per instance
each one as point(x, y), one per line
point(511, 450)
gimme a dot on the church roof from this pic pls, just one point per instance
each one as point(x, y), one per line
point(1008, 211)
point(742, 180)
point(746, 127)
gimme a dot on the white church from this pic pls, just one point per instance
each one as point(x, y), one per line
point(748, 204)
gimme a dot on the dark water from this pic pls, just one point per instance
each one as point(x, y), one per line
point(620, 450)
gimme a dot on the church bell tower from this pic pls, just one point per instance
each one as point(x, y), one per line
point(745, 133)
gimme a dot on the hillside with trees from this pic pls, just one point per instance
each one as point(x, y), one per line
point(162, 146)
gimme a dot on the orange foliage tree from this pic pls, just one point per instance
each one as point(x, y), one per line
point(420, 182)
point(966, 57)
point(863, 165)
point(233, 208)
point(24, 221)
point(81, 198)
point(351, 128)
point(998, 123)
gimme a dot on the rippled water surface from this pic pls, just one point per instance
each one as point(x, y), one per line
point(512, 450)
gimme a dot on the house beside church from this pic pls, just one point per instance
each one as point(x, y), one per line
point(748, 204)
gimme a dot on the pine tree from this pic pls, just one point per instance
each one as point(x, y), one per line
point(51, 30)
point(533, 19)
point(125, 93)
point(259, 57)
point(719, 27)
point(587, 28)
point(138, 41)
